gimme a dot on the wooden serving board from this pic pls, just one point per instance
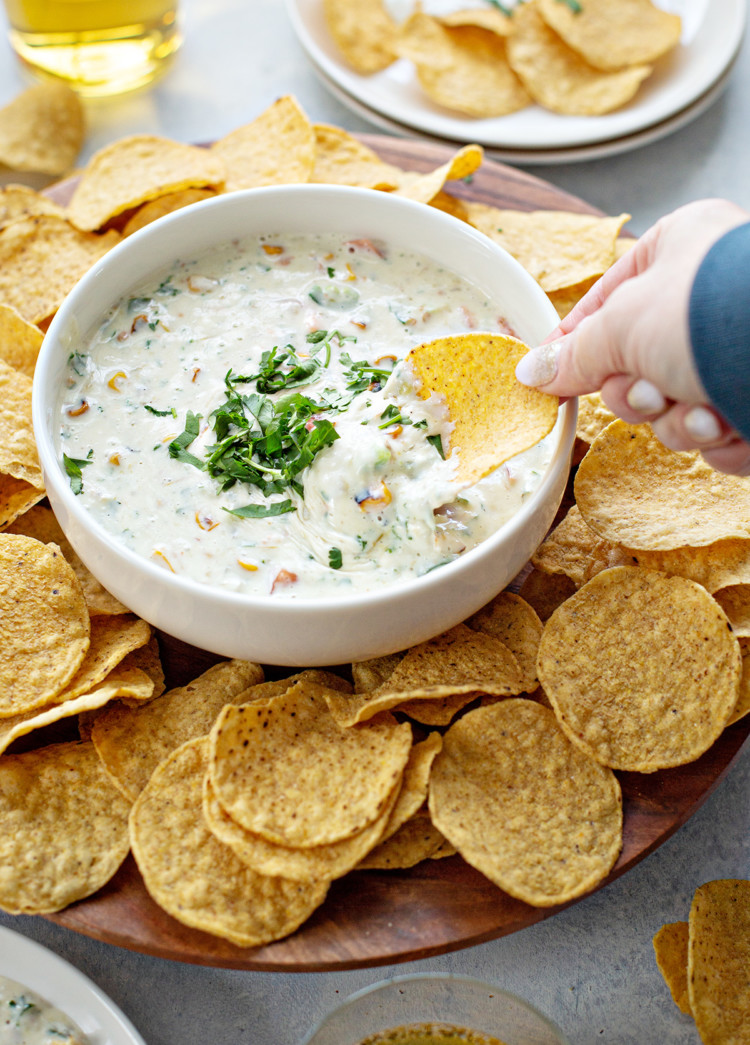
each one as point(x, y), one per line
point(382, 917)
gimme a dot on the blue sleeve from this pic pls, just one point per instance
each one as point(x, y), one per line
point(719, 323)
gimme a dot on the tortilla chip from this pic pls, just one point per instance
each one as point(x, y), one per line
point(546, 591)
point(735, 601)
point(41, 259)
point(416, 840)
point(194, 877)
point(18, 455)
point(558, 248)
point(277, 148)
point(131, 742)
point(450, 205)
point(133, 170)
point(157, 208)
point(341, 159)
point(287, 771)
point(148, 660)
point(515, 623)
point(566, 298)
point(610, 34)
point(363, 31)
point(593, 416)
point(42, 129)
point(429, 710)
point(493, 416)
point(641, 668)
point(557, 77)
point(742, 707)
point(110, 641)
point(573, 549)
point(20, 201)
point(19, 341)
point(317, 863)
point(125, 680)
point(16, 497)
point(63, 828)
point(671, 951)
point(460, 661)
point(523, 805)
point(462, 67)
point(425, 187)
point(40, 523)
point(633, 491)
point(369, 674)
point(493, 20)
point(412, 793)
point(719, 961)
point(44, 624)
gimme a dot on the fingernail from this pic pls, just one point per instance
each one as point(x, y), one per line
point(702, 424)
point(645, 398)
point(539, 365)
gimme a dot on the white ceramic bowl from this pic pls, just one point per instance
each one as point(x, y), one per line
point(302, 631)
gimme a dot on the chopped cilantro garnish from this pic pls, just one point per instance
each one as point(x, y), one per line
point(335, 559)
point(261, 442)
point(507, 11)
point(170, 412)
point(574, 6)
point(166, 287)
point(262, 511)
point(285, 370)
point(73, 466)
point(437, 442)
point(178, 446)
point(392, 416)
point(77, 363)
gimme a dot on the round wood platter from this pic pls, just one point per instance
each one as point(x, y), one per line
point(375, 918)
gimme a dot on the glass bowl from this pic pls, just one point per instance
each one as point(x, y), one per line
point(439, 998)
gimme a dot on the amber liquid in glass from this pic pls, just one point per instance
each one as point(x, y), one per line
point(98, 47)
point(429, 1034)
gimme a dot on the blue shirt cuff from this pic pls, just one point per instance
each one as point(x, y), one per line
point(719, 324)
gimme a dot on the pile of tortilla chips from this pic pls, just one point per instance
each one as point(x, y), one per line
point(705, 961)
point(575, 57)
point(243, 798)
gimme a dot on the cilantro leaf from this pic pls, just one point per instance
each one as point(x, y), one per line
point(73, 466)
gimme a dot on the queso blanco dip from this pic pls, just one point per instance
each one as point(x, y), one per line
point(246, 420)
point(27, 1019)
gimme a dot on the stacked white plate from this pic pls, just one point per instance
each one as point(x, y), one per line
point(685, 83)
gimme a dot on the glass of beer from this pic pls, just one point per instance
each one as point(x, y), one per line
point(98, 47)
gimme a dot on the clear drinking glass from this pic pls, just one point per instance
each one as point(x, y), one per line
point(438, 998)
point(98, 47)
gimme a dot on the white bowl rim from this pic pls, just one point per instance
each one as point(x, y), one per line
point(291, 604)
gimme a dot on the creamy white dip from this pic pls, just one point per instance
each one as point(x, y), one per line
point(28, 1019)
point(308, 331)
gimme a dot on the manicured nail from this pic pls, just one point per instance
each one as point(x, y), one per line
point(645, 398)
point(702, 425)
point(539, 365)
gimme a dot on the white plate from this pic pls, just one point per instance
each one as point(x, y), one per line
point(531, 157)
point(65, 987)
point(712, 32)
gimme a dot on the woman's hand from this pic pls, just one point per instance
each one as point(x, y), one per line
point(628, 337)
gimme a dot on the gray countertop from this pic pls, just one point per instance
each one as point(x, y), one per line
point(590, 968)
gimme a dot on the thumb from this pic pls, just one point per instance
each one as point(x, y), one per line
point(574, 364)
